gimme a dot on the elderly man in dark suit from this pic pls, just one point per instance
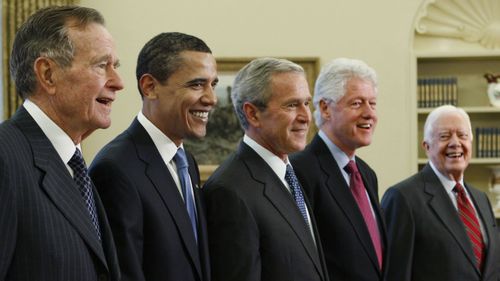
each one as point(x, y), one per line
point(349, 219)
point(148, 183)
point(441, 228)
point(53, 225)
point(260, 225)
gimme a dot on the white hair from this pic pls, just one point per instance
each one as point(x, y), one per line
point(333, 78)
point(438, 113)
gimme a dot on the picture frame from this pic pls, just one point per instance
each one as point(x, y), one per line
point(224, 132)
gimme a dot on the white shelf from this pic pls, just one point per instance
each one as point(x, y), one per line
point(475, 161)
point(457, 55)
point(468, 109)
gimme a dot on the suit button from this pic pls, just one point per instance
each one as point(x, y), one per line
point(103, 277)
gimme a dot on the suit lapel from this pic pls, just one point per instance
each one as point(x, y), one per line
point(338, 189)
point(162, 180)
point(442, 206)
point(281, 199)
point(57, 182)
point(485, 214)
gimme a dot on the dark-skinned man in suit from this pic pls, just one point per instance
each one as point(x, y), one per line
point(153, 203)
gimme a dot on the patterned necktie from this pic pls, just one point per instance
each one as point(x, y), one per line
point(358, 190)
point(471, 223)
point(82, 179)
point(293, 182)
point(187, 188)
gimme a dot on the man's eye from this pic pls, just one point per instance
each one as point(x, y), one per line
point(196, 85)
point(356, 104)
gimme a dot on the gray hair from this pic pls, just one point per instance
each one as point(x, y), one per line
point(332, 80)
point(438, 113)
point(45, 34)
point(252, 83)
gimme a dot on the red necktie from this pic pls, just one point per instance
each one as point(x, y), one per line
point(359, 192)
point(471, 223)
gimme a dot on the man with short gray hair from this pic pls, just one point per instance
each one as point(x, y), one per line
point(260, 225)
point(342, 188)
point(441, 228)
point(52, 221)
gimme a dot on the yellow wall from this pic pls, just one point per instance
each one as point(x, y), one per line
point(378, 32)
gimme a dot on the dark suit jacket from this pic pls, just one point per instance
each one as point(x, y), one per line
point(429, 241)
point(256, 231)
point(150, 223)
point(349, 252)
point(45, 229)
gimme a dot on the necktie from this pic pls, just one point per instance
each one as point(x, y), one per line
point(186, 186)
point(82, 179)
point(358, 190)
point(471, 223)
point(293, 182)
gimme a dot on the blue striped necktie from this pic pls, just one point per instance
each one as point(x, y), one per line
point(293, 182)
point(187, 188)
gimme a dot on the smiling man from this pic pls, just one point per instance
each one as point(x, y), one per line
point(260, 225)
point(441, 228)
point(148, 183)
point(348, 214)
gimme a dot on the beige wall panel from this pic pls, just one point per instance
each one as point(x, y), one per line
point(378, 32)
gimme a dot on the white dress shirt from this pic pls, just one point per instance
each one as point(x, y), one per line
point(448, 186)
point(62, 143)
point(165, 146)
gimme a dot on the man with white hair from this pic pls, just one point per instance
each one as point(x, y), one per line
point(441, 228)
point(342, 188)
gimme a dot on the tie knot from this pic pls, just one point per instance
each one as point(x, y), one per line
point(289, 172)
point(351, 167)
point(76, 162)
point(180, 159)
point(459, 189)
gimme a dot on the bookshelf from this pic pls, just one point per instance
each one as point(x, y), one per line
point(471, 95)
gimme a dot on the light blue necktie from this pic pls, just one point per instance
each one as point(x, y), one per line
point(82, 179)
point(293, 182)
point(187, 188)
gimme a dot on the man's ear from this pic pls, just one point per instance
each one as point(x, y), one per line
point(252, 113)
point(425, 146)
point(323, 108)
point(45, 73)
point(148, 84)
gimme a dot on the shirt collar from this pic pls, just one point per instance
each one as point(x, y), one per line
point(276, 163)
point(445, 181)
point(166, 147)
point(62, 143)
point(340, 157)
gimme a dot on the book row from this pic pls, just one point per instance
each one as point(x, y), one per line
point(436, 91)
point(487, 142)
